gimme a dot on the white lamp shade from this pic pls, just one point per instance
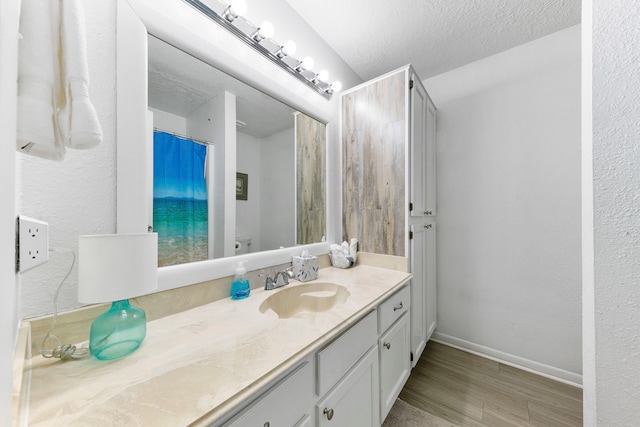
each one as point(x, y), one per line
point(113, 267)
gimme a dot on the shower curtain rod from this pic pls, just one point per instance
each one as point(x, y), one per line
point(197, 141)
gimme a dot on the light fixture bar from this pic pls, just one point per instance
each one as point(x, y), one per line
point(283, 61)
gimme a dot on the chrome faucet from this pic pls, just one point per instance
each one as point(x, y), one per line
point(280, 279)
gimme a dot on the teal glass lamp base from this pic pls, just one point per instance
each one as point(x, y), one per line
point(117, 332)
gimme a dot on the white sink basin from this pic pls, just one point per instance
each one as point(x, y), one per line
point(306, 299)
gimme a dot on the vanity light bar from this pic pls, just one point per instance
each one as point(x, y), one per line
point(280, 54)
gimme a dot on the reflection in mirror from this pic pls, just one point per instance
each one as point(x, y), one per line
point(279, 161)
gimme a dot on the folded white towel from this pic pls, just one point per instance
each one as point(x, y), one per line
point(54, 109)
point(77, 119)
point(38, 83)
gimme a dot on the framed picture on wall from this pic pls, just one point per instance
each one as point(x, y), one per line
point(242, 183)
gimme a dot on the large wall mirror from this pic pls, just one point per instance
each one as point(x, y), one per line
point(280, 158)
point(260, 164)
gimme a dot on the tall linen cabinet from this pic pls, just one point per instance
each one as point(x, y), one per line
point(388, 128)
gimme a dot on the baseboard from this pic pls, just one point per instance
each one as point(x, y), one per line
point(537, 368)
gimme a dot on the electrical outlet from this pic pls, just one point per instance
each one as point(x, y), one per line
point(33, 241)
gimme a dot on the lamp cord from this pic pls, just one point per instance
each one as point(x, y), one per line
point(62, 351)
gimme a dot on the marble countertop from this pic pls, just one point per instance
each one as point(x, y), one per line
point(197, 366)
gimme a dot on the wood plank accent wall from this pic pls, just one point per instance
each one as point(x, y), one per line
point(311, 149)
point(374, 126)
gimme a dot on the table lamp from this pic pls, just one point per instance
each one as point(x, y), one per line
point(113, 268)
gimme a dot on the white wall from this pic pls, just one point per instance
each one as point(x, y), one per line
point(615, 347)
point(508, 254)
point(9, 303)
point(169, 122)
point(277, 190)
point(78, 195)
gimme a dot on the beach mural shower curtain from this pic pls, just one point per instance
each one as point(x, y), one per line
point(180, 212)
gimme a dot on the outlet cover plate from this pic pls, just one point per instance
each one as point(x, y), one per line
point(33, 242)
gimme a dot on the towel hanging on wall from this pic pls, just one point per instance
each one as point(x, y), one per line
point(54, 110)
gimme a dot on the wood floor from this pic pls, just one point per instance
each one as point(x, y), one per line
point(469, 390)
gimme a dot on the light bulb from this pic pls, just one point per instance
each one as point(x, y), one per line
point(323, 75)
point(336, 86)
point(289, 47)
point(238, 7)
point(266, 29)
point(307, 63)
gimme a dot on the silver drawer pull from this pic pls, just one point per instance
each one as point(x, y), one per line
point(398, 307)
point(328, 413)
point(387, 344)
point(428, 212)
point(267, 424)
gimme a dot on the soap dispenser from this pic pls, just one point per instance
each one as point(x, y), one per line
point(240, 286)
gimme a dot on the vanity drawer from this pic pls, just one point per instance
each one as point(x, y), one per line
point(394, 307)
point(294, 392)
point(338, 357)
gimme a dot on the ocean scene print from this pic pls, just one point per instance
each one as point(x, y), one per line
point(180, 207)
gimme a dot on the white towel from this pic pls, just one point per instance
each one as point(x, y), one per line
point(78, 120)
point(38, 80)
point(54, 109)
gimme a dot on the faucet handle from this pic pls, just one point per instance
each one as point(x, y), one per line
point(269, 284)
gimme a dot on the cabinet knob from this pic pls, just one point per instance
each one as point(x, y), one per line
point(267, 424)
point(428, 226)
point(398, 307)
point(328, 413)
point(428, 213)
point(387, 344)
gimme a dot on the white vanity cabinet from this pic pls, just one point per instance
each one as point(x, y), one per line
point(393, 347)
point(352, 381)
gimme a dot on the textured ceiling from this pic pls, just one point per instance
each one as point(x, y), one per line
point(435, 36)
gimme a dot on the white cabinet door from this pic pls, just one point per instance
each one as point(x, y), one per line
point(354, 401)
point(395, 363)
point(423, 285)
point(430, 159)
point(418, 137)
point(431, 300)
point(418, 291)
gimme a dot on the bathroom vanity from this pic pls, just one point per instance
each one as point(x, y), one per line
point(339, 361)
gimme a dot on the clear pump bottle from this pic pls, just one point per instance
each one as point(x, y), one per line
point(240, 287)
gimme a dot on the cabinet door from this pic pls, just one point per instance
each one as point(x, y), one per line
point(395, 364)
point(431, 299)
point(430, 159)
point(418, 173)
point(353, 402)
point(418, 291)
point(423, 285)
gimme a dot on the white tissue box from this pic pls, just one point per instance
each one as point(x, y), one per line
point(305, 269)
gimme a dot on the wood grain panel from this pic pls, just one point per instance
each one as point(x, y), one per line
point(311, 148)
point(374, 150)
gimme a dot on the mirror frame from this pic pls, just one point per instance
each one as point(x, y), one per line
point(181, 25)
